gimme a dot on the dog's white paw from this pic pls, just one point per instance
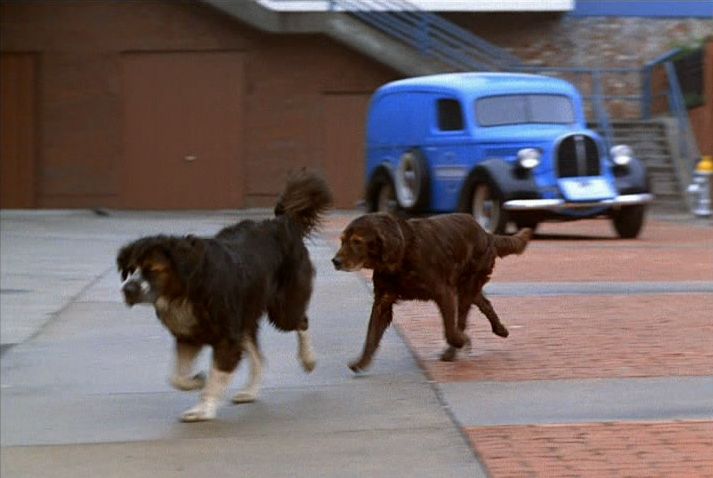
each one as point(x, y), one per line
point(308, 361)
point(245, 396)
point(200, 413)
point(186, 384)
point(306, 353)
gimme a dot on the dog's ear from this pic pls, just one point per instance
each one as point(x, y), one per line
point(186, 255)
point(391, 240)
point(123, 260)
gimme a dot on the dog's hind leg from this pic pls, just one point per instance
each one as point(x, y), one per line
point(183, 378)
point(486, 308)
point(252, 389)
point(226, 356)
point(306, 352)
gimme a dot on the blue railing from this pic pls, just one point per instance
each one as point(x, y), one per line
point(433, 36)
point(674, 100)
point(688, 148)
point(647, 87)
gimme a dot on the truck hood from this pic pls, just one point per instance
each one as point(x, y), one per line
point(535, 134)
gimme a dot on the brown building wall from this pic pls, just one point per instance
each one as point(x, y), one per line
point(303, 98)
point(81, 49)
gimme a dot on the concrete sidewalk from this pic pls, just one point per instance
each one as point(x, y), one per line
point(84, 379)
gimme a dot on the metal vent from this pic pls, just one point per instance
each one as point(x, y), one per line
point(577, 155)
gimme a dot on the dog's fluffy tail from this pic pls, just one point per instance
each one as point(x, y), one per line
point(305, 200)
point(516, 244)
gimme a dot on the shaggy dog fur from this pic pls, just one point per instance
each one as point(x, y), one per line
point(447, 259)
point(212, 291)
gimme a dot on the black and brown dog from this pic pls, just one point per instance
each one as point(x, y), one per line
point(446, 258)
point(212, 291)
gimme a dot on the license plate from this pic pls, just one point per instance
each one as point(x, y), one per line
point(586, 189)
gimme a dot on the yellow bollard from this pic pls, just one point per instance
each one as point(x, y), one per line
point(701, 189)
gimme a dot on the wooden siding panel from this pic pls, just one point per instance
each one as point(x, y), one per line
point(17, 130)
point(183, 130)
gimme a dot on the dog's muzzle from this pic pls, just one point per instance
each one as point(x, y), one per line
point(341, 265)
point(136, 290)
point(132, 293)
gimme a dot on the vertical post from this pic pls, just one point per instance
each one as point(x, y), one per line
point(600, 107)
point(678, 108)
point(646, 91)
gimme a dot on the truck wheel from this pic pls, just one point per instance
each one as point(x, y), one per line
point(381, 196)
point(487, 208)
point(526, 223)
point(411, 181)
point(628, 221)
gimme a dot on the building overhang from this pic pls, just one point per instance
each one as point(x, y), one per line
point(427, 5)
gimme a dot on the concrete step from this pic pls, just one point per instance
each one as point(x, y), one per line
point(650, 142)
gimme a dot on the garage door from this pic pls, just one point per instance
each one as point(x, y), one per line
point(17, 130)
point(344, 161)
point(183, 130)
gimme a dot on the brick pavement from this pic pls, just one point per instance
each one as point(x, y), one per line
point(646, 450)
point(572, 337)
point(586, 337)
point(589, 251)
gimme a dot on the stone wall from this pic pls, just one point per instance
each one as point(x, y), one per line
point(558, 40)
point(562, 40)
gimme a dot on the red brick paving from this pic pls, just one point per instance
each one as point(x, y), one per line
point(587, 251)
point(580, 336)
point(571, 337)
point(666, 450)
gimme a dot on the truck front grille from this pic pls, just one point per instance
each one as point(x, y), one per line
point(577, 155)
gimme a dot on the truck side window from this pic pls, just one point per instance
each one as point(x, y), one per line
point(450, 115)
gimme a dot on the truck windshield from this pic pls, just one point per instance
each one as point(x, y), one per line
point(521, 109)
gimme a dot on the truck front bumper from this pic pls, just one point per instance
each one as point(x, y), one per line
point(562, 205)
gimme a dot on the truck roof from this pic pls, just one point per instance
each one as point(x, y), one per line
point(481, 84)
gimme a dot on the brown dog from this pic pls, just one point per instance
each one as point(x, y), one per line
point(447, 259)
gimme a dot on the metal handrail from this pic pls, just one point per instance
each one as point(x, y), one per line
point(600, 109)
point(687, 144)
point(688, 148)
point(647, 73)
point(430, 34)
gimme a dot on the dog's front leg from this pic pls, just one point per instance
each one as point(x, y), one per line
point(183, 378)
point(381, 316)
point(448, 306)
point(225, 361)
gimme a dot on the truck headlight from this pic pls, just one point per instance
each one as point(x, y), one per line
point(621, 154)
point(529, 158)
